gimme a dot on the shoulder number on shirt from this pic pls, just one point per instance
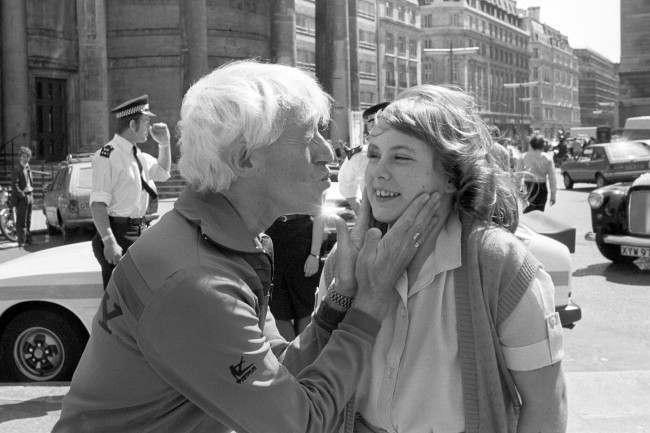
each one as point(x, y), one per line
point(107, 315)
point(106, 151)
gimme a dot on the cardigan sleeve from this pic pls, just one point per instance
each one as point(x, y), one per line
point(531, 336)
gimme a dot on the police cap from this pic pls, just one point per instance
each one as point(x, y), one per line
point(133, 106)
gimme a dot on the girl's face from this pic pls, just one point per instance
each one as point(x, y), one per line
point(400, 167)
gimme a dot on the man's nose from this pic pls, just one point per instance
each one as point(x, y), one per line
point(322, 151)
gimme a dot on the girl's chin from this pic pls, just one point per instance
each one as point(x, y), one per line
point(385, 216)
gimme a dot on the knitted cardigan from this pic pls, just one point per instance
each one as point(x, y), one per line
point(496, 270)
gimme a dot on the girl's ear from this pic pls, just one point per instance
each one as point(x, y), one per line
point(449, 186)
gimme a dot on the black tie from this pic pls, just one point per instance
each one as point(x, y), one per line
point(145, 185)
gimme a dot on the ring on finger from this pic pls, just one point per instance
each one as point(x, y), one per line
point(416, 237)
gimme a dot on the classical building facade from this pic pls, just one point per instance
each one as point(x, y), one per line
point(481, 46)
point(554, 78)
point(65, 63)
point(599, 89)
point(634, 70)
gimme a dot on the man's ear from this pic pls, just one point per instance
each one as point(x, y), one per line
point(241, 162)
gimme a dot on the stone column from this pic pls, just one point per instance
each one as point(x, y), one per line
point(15, 93)
point(93, 75)
point(333, 61)
point(195, 19)
point(283, 32)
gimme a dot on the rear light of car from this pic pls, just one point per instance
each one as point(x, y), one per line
point(596, 199)
point(639, 212)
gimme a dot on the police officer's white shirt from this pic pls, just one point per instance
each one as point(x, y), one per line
point(352, 173)
point(116, 178)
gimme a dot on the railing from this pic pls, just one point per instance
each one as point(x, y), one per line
point(7, 157)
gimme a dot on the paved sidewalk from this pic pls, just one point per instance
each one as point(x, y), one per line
point(599, 402)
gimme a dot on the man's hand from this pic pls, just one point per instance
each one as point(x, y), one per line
point(381, 261)
point(348, 245)
point(112, 251)
point(160, 133)
point(311, 265)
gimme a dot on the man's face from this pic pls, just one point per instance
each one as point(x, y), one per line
point(141, 128)
point(293, 171)
point(24, 159)
point(369, 122)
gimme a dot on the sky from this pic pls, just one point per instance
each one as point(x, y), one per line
point(593, 24)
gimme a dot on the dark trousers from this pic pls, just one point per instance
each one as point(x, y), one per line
point(126, 234)
point(537, 195)
point(24, 218)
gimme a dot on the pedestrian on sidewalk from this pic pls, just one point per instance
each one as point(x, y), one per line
point(183, 341)
point(537, 169)
point(23, 196)
point(122, 185)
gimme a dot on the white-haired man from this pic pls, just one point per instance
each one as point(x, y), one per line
point(183, 341)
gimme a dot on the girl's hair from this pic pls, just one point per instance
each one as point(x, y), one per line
point(240, 107)
point(448, 120)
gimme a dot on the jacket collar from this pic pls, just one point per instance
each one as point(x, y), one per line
point(218, 220)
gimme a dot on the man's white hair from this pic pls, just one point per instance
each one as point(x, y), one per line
point(237, 108)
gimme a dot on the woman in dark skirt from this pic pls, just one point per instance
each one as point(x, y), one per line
point(296, 270)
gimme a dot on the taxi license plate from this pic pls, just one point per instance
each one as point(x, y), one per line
point(635, 251)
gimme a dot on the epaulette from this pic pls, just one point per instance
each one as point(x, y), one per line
point(351, 152)
point(106, 151)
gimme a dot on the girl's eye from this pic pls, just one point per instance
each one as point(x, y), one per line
point(372, 155)
point(403, 157)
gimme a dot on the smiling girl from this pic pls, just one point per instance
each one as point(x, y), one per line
point(470, 341)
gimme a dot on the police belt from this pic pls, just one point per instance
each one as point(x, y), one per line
point(126, 220)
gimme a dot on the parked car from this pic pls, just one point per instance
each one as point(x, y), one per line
point(555, 256)
point(66, 200)
point(47, 302)
point(620, 217)
point(606, 163)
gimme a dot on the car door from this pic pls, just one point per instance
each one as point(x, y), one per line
point(598, 163)
point(51, 197)
point(581, 166)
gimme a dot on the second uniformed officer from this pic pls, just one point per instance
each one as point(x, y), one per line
point(123, 186)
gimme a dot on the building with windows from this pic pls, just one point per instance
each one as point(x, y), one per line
point(399, 53)
point(554, 100)
point(65, 63)
point(366, 46)
point(598, 90)
point(634, 70)
point(481, 46)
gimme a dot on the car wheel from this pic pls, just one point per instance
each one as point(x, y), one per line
point(600, 181)
point(39, 345)
point(568, 182)
point(612, 252)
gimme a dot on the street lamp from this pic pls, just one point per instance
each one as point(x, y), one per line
point(516, 87)
point(451, 51)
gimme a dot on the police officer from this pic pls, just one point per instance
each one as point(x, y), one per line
point(22, 189)
point(123, 181)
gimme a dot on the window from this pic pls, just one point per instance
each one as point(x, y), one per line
point(305, 56)
point(366, 97)
point(390, 43)
point(401, 77)
point(305, 24)
point(535, 52)
point(401, 45)
point(367, 67)
point(428, 43)
point(389, 9)
point(413, 48)
point(367, 38)
point(366, 8)
point(85, 178)
point(427, 21)
point(400, 13)
point(413, 75)
point(390, 74)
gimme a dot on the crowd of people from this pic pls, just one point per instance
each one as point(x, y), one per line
point(428, 315)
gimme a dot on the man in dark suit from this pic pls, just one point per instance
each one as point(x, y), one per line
point(22, 189)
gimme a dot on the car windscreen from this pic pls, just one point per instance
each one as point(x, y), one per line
point(86, 178)
point(628, 150)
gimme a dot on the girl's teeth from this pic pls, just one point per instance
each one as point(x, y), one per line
point(386, 194)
